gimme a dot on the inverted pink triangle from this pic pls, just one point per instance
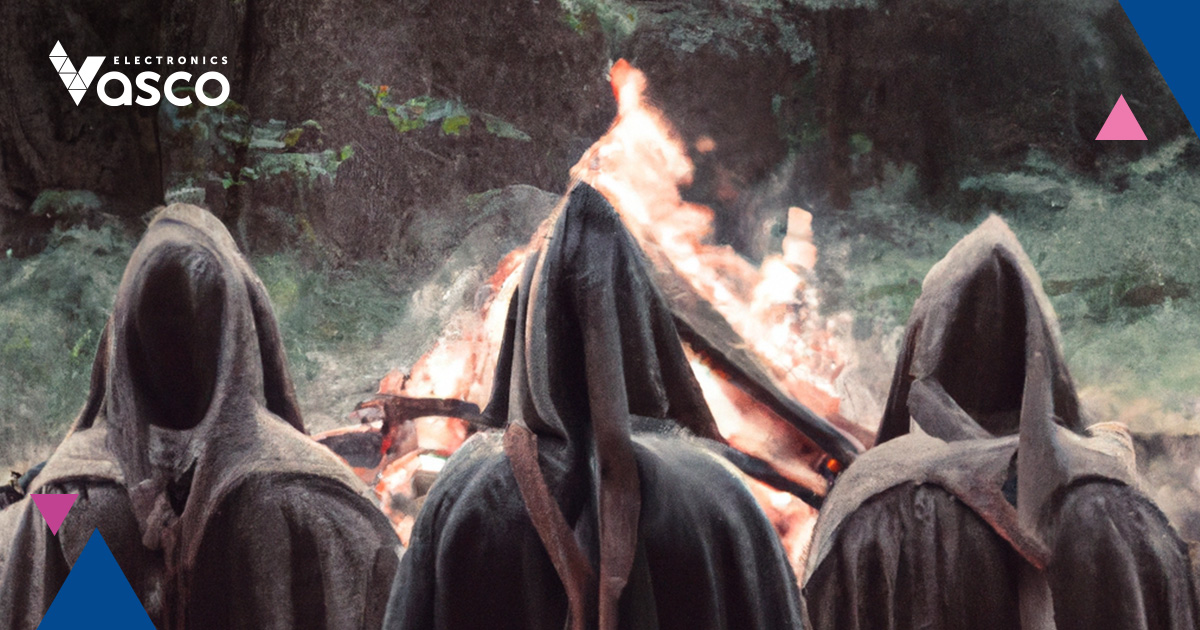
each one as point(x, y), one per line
point(54, 508)
point(1121, 124)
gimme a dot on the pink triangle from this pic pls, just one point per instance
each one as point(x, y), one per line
point(54, 508)
point(1121, 124)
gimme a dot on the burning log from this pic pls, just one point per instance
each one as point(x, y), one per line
point(386, 430)
point(372, 450)
point(752, 328)
point(724, 350)
point(399, 411)
point(384, 450)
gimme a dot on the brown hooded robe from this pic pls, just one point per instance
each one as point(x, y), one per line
point(190, 458)
point(569, 519)
point(1002, 508)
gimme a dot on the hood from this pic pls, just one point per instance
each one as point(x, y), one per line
point(190, 396)
point(982, 376)
point(190, 354)
point(589, 342)
point(983, 363)
point(965, 367)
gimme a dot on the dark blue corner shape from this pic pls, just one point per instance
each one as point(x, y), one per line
point(1168, 29)
point(96, 595)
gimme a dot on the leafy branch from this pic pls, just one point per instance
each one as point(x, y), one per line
point(451, 116)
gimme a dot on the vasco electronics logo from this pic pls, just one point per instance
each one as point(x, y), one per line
point(78, 80)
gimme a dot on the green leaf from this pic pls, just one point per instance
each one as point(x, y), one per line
point(453, 125)
point(267, 144)
point(438, 110)
point(229, 135)
point(404, 125)
point(504, 129)
point(292, 137)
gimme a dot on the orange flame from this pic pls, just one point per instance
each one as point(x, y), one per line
point(640, 165)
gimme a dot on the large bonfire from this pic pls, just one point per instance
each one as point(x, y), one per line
point(640, 165)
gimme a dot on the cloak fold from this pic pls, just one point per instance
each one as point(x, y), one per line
point(569, 517)
point(190, 452)
point(987, 479)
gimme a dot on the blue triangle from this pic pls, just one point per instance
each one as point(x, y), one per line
point(96, 594)
point(1168, 30)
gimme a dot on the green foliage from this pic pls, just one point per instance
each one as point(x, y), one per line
point(731, 28)
point(502, 128)
point(1119, 264)
point(451, 116)
point(230, 148)
point(759, 26)
point(212, 133)
point(65, 204)
point(271, 153)
point(1152, 357)
point(53, 307)
point(874, 257)
point(617, 19)
point(325, 311)
point(305, 168)
point(1108, 255)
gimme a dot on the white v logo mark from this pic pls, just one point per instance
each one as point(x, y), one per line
point(77, 81)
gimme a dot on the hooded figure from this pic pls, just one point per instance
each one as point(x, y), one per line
point(989, 502)
point(191, 459)
point(568, 519)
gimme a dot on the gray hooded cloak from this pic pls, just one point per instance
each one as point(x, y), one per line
point(569, 519)
point(989, 502)
point(191, 459)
